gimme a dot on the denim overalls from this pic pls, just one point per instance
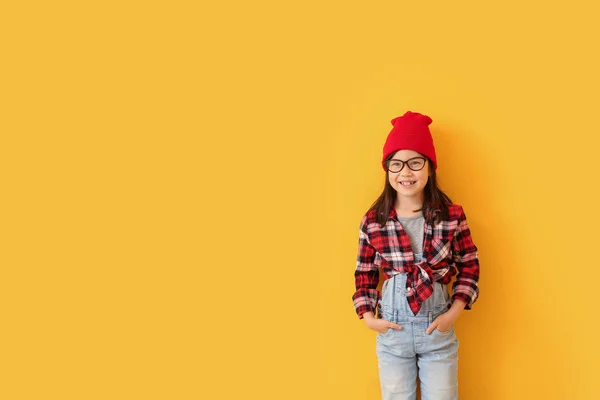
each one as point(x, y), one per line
point(401, 353)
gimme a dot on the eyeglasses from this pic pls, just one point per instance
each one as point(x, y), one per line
point(414, 164)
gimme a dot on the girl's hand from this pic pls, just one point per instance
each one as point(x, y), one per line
point(379, 325)
point(444, 322)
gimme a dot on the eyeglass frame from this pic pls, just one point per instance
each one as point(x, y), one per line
point(388, 162)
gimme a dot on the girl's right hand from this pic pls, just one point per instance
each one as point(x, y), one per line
point(379, 325)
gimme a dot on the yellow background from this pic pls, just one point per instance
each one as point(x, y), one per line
point(182, 184)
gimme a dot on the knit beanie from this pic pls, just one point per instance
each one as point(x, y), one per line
point(410, 132)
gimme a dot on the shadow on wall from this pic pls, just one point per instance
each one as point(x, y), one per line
point(465, 175)
point(487, 342)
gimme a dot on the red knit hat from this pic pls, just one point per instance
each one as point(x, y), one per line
point(410, 132)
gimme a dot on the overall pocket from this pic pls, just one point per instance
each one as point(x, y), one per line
point(446, 333)
point(442, 333)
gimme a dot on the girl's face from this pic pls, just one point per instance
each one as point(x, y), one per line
point(408, 183)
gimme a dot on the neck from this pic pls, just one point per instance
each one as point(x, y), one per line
point(407, 206)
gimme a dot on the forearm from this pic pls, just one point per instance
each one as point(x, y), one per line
point(368, 316)
point(366, 276)
point(466, 260)
point(456, 309)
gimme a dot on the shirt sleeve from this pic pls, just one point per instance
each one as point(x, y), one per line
point(465, 257)
point(366, 275)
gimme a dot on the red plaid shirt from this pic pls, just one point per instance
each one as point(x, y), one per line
point(447, 251)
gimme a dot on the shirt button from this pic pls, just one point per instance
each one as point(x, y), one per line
point(409, 289)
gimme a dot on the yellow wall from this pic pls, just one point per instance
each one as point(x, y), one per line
point(183, 184)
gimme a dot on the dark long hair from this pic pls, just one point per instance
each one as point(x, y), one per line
point(435, 202)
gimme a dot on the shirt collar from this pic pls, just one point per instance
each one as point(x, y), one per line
point(393, 213)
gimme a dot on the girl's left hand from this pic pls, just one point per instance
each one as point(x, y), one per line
point(442, 323)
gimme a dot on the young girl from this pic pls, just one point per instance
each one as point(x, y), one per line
point(419, 240)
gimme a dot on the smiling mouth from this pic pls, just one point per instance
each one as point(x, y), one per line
point(407, 183)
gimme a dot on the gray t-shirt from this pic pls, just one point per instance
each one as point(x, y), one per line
point(414, 227)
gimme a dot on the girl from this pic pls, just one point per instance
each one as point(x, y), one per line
point(419, 240)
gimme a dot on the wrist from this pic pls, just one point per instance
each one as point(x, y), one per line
point(457, 307)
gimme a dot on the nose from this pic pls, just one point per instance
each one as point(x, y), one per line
point(405, 171)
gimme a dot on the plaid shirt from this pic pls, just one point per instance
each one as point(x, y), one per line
point(447, 247)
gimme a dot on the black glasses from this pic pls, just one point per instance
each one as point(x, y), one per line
point(414, 164)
